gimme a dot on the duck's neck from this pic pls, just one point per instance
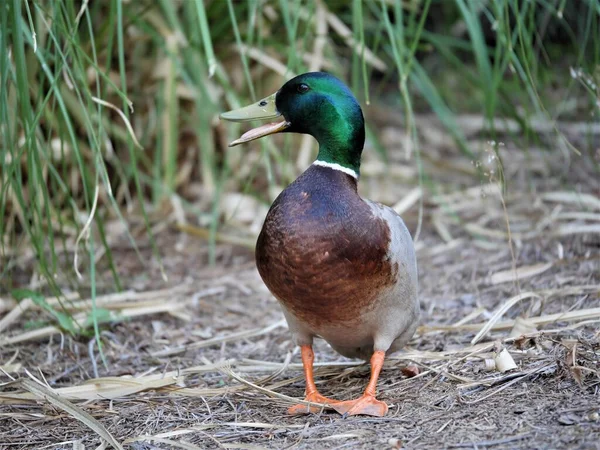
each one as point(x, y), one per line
point(341, 137)
point(344, 157)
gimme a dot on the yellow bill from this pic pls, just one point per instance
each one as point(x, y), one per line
point(264, 109)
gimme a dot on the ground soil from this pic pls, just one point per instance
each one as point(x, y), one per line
point(221, 329)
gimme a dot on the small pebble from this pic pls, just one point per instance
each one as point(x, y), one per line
point(395, 443)
point(410, 371)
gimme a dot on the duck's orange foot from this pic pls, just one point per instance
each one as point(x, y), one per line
point(367, 405)
point(307, 409)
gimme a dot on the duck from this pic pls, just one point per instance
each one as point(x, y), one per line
point(342, 268)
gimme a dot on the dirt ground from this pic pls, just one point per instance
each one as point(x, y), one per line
point(204, 360)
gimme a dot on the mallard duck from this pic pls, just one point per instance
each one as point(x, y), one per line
point(342, 268)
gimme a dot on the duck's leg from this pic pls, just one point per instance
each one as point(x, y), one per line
point(367, 404)
point(312, 395)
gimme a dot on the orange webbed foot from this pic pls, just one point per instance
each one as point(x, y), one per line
point(307, 409)
point(366, 405)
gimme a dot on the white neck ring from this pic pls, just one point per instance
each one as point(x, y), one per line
point(337, 167)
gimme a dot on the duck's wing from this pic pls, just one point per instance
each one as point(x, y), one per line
point(401, 248)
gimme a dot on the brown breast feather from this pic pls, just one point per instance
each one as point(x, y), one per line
point(322, 253)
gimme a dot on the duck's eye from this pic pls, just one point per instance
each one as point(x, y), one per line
point(302, 88)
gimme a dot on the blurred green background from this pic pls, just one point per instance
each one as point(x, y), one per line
point(109, 109)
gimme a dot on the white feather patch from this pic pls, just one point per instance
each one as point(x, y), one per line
point(335, 166)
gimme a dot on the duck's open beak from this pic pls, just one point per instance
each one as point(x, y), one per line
point(264, 109)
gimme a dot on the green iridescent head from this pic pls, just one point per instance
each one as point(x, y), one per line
point(314, 103)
